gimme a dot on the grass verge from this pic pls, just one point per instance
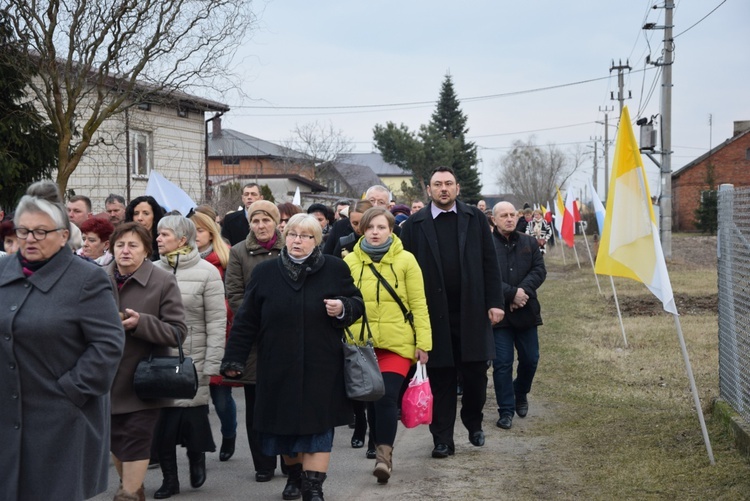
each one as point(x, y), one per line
point(624, 421)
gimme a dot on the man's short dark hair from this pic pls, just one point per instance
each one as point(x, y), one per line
point(113, 198)
point(443, 168)
point(343, 202)
point(251, 185)
point(81, 198)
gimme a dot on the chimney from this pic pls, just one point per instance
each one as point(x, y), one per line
point(741, 126)
point(216, 127)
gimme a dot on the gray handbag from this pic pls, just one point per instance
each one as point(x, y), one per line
point(362, 377)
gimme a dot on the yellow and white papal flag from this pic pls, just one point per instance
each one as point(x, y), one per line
point(630, 245)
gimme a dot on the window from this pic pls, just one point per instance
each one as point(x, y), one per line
point(144, 106)
point(229, 160)
point(747, 154)
point(182, 112)
point(140, 153)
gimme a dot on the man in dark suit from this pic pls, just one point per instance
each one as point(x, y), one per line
point(453, 245)
point(235, 226)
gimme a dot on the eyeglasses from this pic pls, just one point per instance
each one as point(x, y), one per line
point(39, 234)
point(284, 220)
point(294, 236)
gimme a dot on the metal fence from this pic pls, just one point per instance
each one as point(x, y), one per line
point(734, 297)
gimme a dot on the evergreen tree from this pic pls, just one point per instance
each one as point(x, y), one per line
point(706, 215)
point(441, 142)
point(449, 121)
point(28, 146)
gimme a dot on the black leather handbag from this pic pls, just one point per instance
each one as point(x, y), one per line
point(166, 376)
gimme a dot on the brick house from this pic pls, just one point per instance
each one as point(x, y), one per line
point(731, 162)
point(232, 153)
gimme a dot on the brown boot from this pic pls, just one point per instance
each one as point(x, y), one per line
point(383, 463)
point(123, 495)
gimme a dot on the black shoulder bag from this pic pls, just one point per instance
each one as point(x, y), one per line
point(408, 316)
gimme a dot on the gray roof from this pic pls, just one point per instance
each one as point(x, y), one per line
point(232, 143)
point(375, 161)
point(359, 177)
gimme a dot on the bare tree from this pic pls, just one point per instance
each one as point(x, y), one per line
point(534, 172)
point(97, 58)
point(319, 143)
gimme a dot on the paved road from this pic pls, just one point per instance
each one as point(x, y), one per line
point(416, 475)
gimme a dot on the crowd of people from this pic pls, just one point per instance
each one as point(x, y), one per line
point(259, 300)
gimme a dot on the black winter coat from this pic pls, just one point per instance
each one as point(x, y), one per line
point(300, 375)
point(522, 266)
point(480, 283)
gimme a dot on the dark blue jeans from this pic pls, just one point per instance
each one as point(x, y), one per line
point(526, 343)
point(226, 409)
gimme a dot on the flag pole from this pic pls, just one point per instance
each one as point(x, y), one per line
point(694, 389)
point(562, 250)
point(619, 313)
point(576, 253)
point(591, 258)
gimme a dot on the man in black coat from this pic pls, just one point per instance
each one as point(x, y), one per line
point(453, 245)
point(235, 226)
point(522, 268)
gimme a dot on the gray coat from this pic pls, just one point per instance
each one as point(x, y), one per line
point(60, 345)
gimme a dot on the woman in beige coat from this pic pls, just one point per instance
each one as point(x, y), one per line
point(186, 421)
point(264, 242)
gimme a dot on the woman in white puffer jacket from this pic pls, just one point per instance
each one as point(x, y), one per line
point(186, 421)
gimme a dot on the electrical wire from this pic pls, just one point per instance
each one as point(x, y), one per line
point(699, 20)
point(417, 104)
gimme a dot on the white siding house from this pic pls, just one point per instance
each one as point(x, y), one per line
point(168, 137)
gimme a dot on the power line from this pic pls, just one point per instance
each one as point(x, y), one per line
point(428, 103)
point(699, 20)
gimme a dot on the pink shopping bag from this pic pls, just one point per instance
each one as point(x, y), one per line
point(416, 406)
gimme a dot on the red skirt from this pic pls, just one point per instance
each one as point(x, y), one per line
point(392, 362)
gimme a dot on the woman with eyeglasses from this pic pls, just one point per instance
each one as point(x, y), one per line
point(61, 340)
point(264, 242)
point(286, 211)
point(295, 311)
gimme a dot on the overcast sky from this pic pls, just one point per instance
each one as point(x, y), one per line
point(336, 53)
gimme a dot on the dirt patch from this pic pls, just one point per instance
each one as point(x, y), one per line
point(649, 305)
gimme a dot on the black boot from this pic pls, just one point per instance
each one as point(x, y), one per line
point(293, 488)
point(171, 483)
point(312, 485)
point(197, 468)
point(227, 448)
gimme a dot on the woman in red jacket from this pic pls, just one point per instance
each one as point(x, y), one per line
point(214, 250)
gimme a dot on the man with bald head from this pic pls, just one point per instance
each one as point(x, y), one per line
point(522, 270)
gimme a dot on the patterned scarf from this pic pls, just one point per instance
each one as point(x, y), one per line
point(121, 279)
point(29, 267)
point(173, 258)
point(294, 266)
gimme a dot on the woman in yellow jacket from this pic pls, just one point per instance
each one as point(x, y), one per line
point(378, 262)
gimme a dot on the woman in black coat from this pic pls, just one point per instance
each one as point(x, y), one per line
point(295, 309)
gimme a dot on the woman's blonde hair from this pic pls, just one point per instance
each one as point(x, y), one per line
point(305, 222)
point(204, 221)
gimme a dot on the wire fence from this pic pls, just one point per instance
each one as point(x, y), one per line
point(734, 297)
